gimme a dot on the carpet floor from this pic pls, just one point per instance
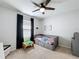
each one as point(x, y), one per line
point(39, 52)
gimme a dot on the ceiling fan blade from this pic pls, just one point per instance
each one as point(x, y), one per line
point(49, 8)
point(35, 10)
point(35, 4)
point(47, 1)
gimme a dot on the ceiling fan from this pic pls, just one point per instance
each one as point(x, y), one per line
point(42, 6)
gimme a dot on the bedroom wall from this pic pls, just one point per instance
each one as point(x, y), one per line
point(63, 25)
point(38, 23)
point(64, 21)
point(8, 21)
point(8, 26)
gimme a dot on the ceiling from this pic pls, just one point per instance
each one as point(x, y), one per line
point(27, 7)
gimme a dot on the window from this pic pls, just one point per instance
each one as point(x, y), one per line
point(26, 28)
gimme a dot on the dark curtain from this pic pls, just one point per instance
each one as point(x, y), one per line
point(32, 29)
point(19, 31)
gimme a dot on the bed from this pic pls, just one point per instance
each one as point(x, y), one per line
point(7, 49)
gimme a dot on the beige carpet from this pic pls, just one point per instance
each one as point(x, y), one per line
point(41, 53)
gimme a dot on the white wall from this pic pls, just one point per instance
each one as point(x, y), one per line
point(64, 25)
point(8, 26)
point(38, 23)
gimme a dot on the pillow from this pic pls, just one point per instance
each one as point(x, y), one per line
point(50, 41)
point(28, 42)
point(45, 39)
point(38, 39)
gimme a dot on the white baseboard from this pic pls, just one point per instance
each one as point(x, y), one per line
point(64, 46)
point(13, 48)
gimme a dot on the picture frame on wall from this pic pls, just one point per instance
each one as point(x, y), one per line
point(45, 27)
point(50, 27)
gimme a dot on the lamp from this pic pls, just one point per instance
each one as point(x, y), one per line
point(42, 9)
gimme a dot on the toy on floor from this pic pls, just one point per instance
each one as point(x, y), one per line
point(28, 43)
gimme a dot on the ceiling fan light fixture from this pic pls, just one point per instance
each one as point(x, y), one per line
point(42, 9)
point(43, 6)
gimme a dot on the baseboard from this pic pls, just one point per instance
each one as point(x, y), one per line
point(13, 48)
point(64, 46)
